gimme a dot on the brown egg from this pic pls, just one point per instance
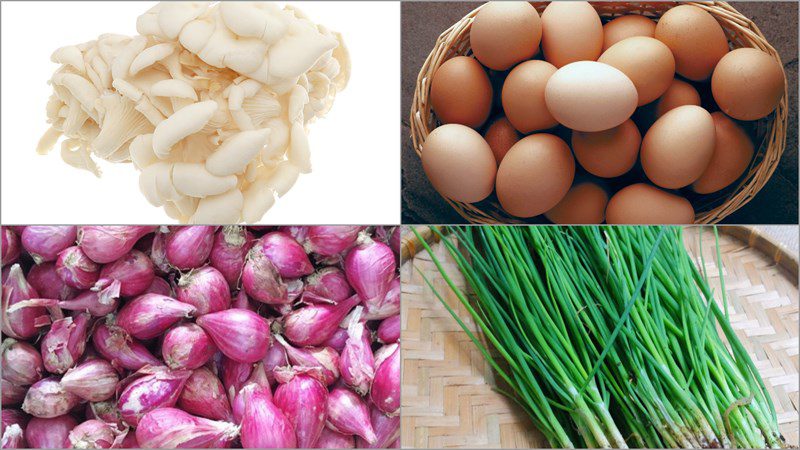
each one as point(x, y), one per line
point(584, 203)
point(505, 33)
point(695, 38)
point(733, 151)
point(608, 153)
point(642, 204)
point(646, 61)
point(748, 84)
point(459, 163)
point(461, 92)
point(535, 175)
point(590, 96)
point(523, 96)
point(678, 147)
point(679, 93)
point(501, 136)
point(571, 31)
point(625, 27)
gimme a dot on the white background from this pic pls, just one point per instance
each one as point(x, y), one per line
point(355, 149)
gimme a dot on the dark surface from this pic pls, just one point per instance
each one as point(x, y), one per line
point(422, 22)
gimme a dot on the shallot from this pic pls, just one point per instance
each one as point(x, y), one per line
point(48, 399)
point(98, 302)
point(324, 358)
point(261, 280)
point(329, 283)
point(44, 243)
point(203, 395)
point(314, 324)
point(149, 315)
point(206, 289)
point(349, 414)
point(331, 240)
point(48, 284)
point(303, 400)
point(356, 361)
point(173, 428)
point(370, 268)
point(150, 388)
point(229, 251)
point(49, 432)
point(385, 389)
point(22, 363)
point(333, 439)
point(64, 344)
point(92, 434)
point(23, 323)
point(264, 425)
point(10, 247)
point(285, 253)
point(133, 270)
point(116, 346)
point(76, 269)
point(240, 334)
point(189, 247)
point(94, 380)
point(13, 429)
point(389, 330)
point(187, 346)
point(104, 244)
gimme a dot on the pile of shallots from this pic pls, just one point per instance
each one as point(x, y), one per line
point(200, 337)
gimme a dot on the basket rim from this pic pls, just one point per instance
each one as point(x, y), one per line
point(738, 29)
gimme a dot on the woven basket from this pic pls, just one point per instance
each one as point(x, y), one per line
point(769, 132)
point(448, 399)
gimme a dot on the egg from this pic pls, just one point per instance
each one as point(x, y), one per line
point(590, 96)
point(646, 61)
point(584, 203)
point(535, 175)
point(571, 31)
point(609, 153)
point(678, 93)
point(523, 96)
point(733, 151)
point(505, 33)
point(678, 147)
point(748, 84)
point(501, 136)
point(459, 163)
point(627, 26)
point(644, 204)
point(461, 92)
point(695, 38)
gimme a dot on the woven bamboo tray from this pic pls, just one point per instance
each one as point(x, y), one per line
point(448, 399)
point(769, 133)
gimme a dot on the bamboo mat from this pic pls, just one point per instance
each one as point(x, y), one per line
point(447, 396)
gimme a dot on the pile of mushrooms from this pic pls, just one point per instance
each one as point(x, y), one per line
point(210, 102)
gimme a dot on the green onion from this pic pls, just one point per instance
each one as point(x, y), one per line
point(608, 336)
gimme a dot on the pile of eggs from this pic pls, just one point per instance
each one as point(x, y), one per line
point(600, 82)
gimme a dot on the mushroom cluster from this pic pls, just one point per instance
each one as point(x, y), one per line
point(210, 102)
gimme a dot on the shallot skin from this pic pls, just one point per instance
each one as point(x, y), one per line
point(286, 254)
point(203, 395)
point(187, 346)
point(385, 389)
point(189, 247)
point(155, 388)
point(47, 399)
point(370, 267)
point(104, 244)
point(264, 425)
point(206, 289)
point(22, 323)
point(173, 428)
point(48, 284)
point(303, 399)
point(44, 243)
point(349, 414)
point(133, 270)
point(22, 362)
point(240, 334)
point(76, 269)
point(94, 380)
point(49, 433)
point(10, 246)
point(149, 315)
point(229, 252)
point(333, 439)
point(92, 434)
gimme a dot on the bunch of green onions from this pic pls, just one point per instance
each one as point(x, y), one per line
point(609, 336)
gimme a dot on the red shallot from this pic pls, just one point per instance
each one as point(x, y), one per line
point(116, 346)
point(261, 280)
point(389, 330)
point(337, 340)
point(370, 268)
point(331, 240)
point(133, 270)
point(329, 283)
point(240, 334)
point(303, 400)
point(385, 389)
point(48, 284)
point(203, 395)
point(13, 429)
point(387, 429)
point(187, 346)
point(348, 413)
point(173, 428)
point(148, 389)
point(104, 244)
point(22, 363)
point(286, 254)
point(160, 286)
point(234, 375)
point(23, 323)
point(12, 394)
point(76, 269)
point(356, 363)
point(333, 439)
point(94, 380)
point(264, 425)
point(44, 243)
point(189, 247)
point(49, 432)
point(229, 252)
point(47, 399)
point(92, 434)
point(325, 358)
point(206, 289)
point(10, 246)
point(149, 315)
point(388, 306)
point(275, 357)
point(314, 324)
point(98, 302)
point(64, 344)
